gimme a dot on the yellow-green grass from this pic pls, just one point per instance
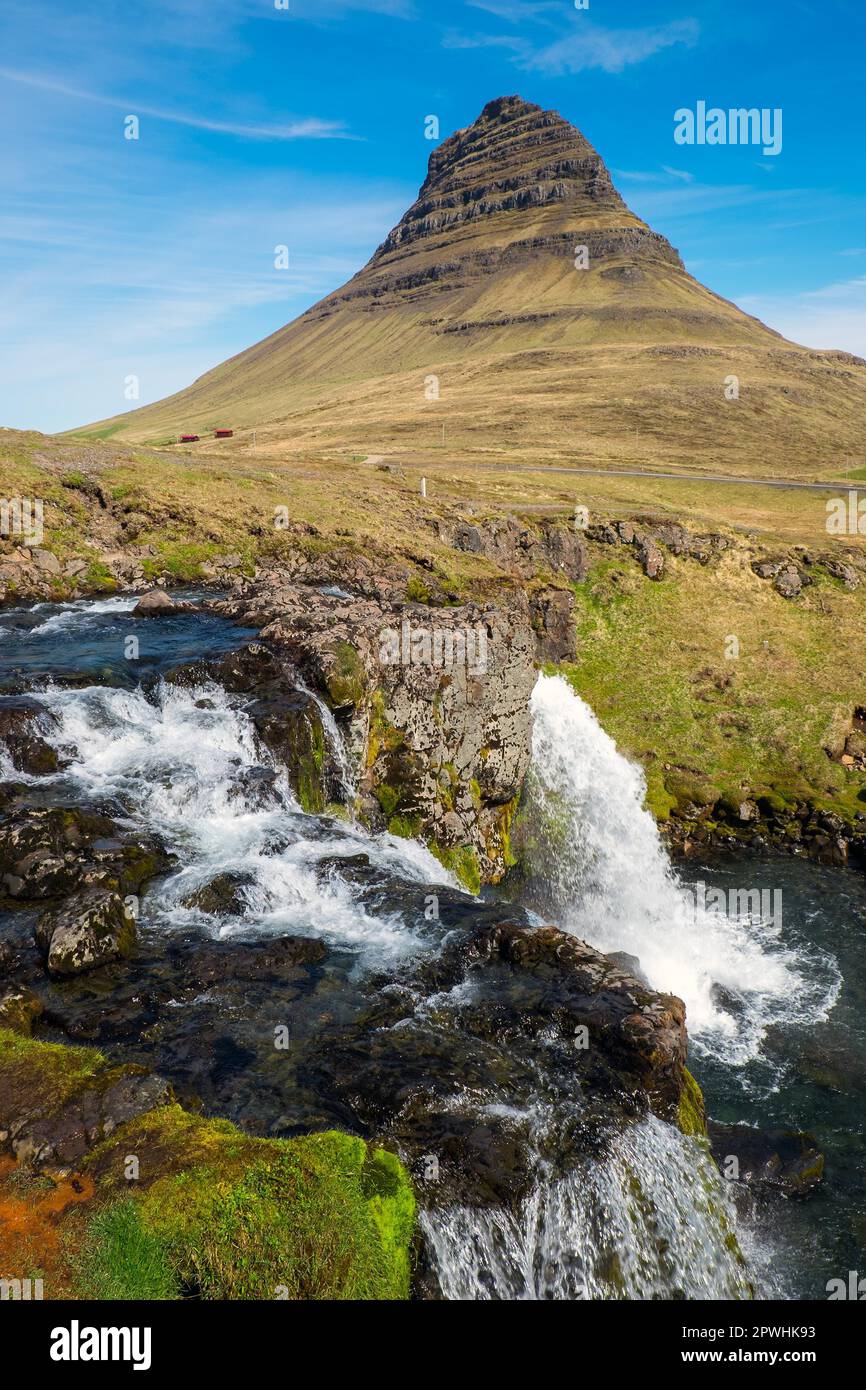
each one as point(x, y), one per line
point(654, 665)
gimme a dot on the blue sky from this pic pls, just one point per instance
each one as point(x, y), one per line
point(304, 126)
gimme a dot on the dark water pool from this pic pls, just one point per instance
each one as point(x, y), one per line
point(89, 642)
point(810, 1076)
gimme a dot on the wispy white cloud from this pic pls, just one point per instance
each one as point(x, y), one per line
point(308, 128)
point(682, 174)
point(517, 11)
point(456, 40)
point(662, 176)
point(333, 9)
point(586, 45)
point(612, 50)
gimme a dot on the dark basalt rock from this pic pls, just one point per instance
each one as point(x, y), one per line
point(552, 548)
point(44, 1125)
point(434, 705)
point(53, 851)
point(287, 720)
point(786, 1160)
point(223, 896)
point(219, 962)
point(526, 995)
point(20, 723)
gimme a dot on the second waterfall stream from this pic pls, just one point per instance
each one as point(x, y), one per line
point(599, 868)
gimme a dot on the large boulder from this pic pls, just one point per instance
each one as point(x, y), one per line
point(87, 930)
point(156, 603)
point(540, 1013)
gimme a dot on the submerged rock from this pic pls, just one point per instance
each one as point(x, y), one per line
point(223, 896)
point(787, 1160)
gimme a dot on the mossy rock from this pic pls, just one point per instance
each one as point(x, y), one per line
point(658, 800)
point(417, 591)
point(209, 1211)
point(690, 789)
point(691, 1109)
point(462, 862)
point(293, 730)
point(19, 1010)
point(346, 679)
point(771, 803)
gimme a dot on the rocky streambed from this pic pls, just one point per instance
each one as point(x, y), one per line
point(244, 864)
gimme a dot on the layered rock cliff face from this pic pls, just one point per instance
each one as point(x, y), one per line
point(489, 182)
point(433, 705)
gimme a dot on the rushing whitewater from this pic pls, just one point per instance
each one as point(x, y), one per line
point(181, 766)
point(601, 869)
point(649, 1220)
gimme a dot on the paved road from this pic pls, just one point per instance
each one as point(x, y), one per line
point(841, 486)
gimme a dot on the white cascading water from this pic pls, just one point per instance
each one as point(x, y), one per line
point(607, 877)
point(650, 1220)
point(77, 614)
point(336, 746)
point(179, 765)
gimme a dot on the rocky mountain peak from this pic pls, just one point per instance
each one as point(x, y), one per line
point(514, 157)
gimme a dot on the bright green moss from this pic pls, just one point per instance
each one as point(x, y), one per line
point(691, 1111)
point(213, 1212)
point(417, 591)
point(347, 678)
point(462, 862)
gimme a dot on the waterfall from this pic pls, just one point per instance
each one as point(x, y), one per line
point(336, 744)
point(599, 868)
point(649, 1220)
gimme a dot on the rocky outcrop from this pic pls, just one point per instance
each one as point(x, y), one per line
point(534, 1003)
point(515, 157)
point(87, 930)
point(54, 851)
point(433, 704)
point(520, 550)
